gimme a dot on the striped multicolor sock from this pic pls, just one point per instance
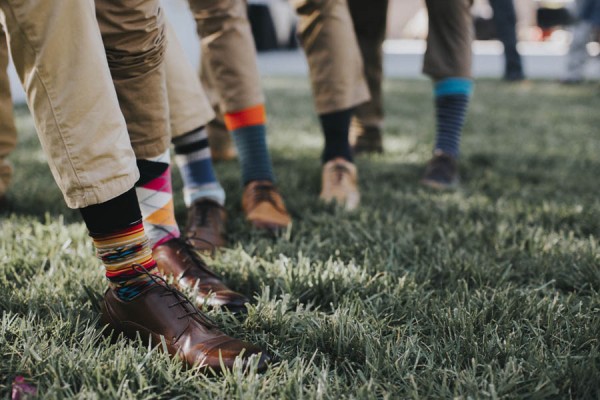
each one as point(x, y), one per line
point(192, 155)
point(118, 234)
point(451, 103)
point(155, 197)
point(250, 136)
point(120, 253)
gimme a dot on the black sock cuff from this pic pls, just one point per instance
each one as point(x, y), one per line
point(113, 215)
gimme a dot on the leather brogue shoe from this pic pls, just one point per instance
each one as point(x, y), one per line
point(163, 311)
point(206, 225)
point(178, 258)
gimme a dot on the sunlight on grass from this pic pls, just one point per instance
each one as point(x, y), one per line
point(491, 291)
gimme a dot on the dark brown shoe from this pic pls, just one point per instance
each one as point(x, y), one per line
point(366, 140)
point(177, 258)
point(206, 225)
point(162, 311)
point(441, 172)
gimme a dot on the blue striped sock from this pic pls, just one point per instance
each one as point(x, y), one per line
point(451, 103)
point(192, 156)
point(251, 144)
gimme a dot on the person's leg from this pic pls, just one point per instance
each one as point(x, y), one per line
point(8, 131)
point(505, 20)
point(578, 54)
point(136, 63)
point(190, 112)
point(448, 63)
point(369, 19)
point(230, 57)
point(337, 76)
point(58, 54)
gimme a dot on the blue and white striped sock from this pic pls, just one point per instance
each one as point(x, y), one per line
point(451, 102)
point(192, 156)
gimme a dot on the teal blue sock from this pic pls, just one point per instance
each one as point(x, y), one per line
point(451, 103)
point(255, 161)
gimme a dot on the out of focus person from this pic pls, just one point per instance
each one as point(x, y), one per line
point(447, 62)
point(505, 21)
point(8, 132)
point(588, 22)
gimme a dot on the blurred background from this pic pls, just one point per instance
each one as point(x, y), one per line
point(544, 31)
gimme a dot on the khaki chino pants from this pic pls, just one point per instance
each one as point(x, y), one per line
point(229, 71)
point(8, 132)
point(59, 55)
point(448, 47)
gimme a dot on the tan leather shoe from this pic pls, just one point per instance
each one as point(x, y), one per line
point(206, 225)
point(340, 184)
point(220, 141)
point(177, 258)
point(264, 206)
point(162, 311)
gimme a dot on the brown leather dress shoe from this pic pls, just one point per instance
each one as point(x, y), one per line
point(366, 139)
point(339, 184)
point(206, 225)
point(441, 172)
point(162, 311)
point(264, 207)
point(177, 258)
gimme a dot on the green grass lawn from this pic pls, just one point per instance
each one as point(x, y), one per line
point(488, 292)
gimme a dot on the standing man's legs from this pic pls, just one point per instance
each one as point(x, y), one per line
point(578, 54)
point(59, 50)
point(8, 132)
point(190, 112)
point(369, 20)
point(337, 76)
point(448, 62)
point(137, 67)
point(505, 20)
point(229, 53)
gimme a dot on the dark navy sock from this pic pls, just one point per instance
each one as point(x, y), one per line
point(336, 126)
point(451, 103)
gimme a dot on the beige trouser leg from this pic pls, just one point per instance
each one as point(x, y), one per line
point(449, 40)
point(58, 54)
point(228, 54)
point(189, 107)
point(336, 68)
point(328, 39)
point(369, 20)
point(133, 33)
point(8, 132)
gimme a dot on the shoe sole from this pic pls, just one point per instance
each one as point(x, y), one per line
point(438, 186)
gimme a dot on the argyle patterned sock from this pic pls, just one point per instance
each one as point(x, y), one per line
point(155, 197)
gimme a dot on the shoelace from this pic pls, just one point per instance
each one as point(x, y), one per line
point(338, 173)
point(264, 193)
point(182, 299)
point(188, 253)
point(204, 217)
point(188, 242)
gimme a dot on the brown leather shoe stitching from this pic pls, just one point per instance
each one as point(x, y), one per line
point(264, 193)
point(183, 300)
